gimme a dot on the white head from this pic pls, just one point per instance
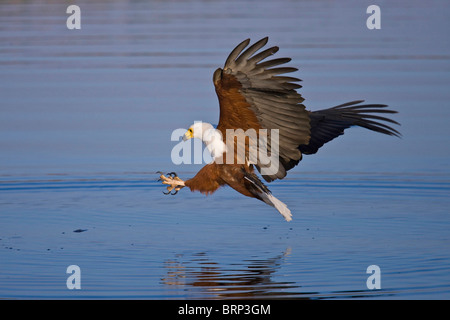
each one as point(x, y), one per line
point(199, 130)
point(210, 136)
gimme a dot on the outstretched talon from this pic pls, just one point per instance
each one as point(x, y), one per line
point(172, 174)
point(173, 182)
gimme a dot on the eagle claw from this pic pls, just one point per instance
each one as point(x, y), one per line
point(173, 181)
point(171, 193)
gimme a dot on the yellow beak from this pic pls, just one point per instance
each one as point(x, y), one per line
point(188, 135)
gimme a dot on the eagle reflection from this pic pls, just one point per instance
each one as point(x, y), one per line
point(248, 279)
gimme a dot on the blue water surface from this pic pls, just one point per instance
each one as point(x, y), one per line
point(86, 118)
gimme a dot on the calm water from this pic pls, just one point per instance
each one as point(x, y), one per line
point(85, 121)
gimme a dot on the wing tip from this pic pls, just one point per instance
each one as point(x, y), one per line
point(263, 40)
point(236, 52)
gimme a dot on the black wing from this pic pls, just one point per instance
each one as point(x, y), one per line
point(330, 123)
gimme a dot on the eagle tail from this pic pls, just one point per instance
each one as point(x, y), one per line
point(263, 193)
point(277, 204)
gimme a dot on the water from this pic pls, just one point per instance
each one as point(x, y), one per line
point(86, 118)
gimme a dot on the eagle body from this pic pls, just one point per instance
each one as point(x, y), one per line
point(262, 109)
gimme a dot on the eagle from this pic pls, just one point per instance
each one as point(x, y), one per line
point(261, 110)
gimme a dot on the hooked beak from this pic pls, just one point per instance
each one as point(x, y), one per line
point(187, 136)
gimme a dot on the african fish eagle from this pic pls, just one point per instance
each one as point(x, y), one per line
point(254, 94)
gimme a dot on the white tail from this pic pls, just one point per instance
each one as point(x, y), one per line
point(277, 204)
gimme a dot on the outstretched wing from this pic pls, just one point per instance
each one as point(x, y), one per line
point(255, 94)
point(330, 123)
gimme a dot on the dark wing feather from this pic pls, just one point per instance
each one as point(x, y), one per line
point(330, 123)
point(255, 94)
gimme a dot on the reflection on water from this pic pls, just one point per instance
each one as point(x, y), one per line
point(204, 278)
point(248, 279)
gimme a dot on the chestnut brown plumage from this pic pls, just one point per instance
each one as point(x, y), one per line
point(254, 94)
